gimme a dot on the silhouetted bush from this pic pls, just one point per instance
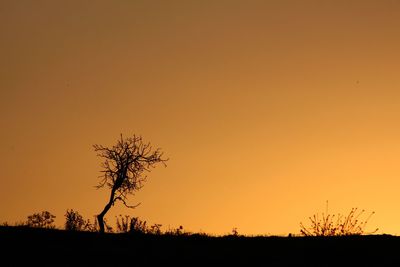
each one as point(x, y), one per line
point(138, 226)
point(74, 221)
point(340, 225)
point(91, 227)
point(123, 224)
point(41, 220)
point(126, 224)
point(178, 231)
point(235, 232)
point(108, 228)
point(155, 229)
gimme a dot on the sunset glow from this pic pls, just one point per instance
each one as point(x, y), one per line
point(265, 109)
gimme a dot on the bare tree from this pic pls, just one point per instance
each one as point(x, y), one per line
point(124, 168)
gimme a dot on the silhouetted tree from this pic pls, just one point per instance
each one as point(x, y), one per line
point(41, 220)
point(123, 169)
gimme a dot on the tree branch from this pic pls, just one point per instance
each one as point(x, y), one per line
point(125, 204)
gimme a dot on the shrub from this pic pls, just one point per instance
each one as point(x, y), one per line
point(74, 221)
point(155, 229)
point(178, 231)
point(41, 220)
point(91, 227)
point(336, 225)
point(108, 228)
point(127, 224)
point(123, 224)
point(138, 226)
point(235, 232)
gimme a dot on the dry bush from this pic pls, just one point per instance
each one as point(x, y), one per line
point(178, 231)
point(138, 226)
point(123, 224)
point(155, 229)
point(91, 227)
point(74, 221)
point(337, 225)
point(41, 220)
point(235, 232)
point(127, 224)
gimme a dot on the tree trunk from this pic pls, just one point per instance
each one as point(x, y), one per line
point(100, 217)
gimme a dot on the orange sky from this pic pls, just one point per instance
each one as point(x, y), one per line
point(266, 109)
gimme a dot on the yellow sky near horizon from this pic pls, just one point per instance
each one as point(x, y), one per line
point(266, 109)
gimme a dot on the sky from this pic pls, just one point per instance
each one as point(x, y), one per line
point(265, 109)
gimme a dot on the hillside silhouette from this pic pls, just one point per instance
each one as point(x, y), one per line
point(23, 246)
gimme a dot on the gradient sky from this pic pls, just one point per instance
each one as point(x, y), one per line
point(266, 109)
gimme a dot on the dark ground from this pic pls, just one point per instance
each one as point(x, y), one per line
point(21, 246)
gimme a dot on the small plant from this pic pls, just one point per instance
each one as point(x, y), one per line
point(235, 231)
point(123, 223)
point(126, 224)
point(138, 226)
point(41, 220)
point(177, 231)
point(108, 228)
point(336, 225)
point(91, 227)
point(74, 221)
point(155, 229)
